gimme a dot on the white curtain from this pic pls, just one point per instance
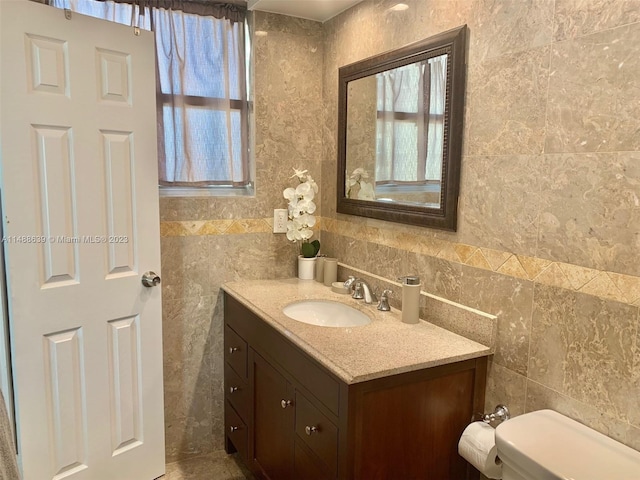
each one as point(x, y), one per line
point(201, 86)
point(410, 131)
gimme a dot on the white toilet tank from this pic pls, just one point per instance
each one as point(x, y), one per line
point(546, 445)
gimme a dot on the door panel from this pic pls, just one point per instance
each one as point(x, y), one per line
point(125, 388)
point(66, 400)
point(80, 198)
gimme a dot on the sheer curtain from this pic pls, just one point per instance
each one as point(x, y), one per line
point(201, 85)
point(410, 132)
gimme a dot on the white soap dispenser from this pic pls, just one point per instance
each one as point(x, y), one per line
point(410, 298)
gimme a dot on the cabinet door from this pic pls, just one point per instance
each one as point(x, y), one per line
point(273, 420)
point(411, 430)
point(308, 467)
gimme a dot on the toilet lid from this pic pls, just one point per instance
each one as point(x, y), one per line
point(546, 445)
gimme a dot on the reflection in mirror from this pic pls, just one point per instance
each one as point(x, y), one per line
point(400, 132)
point(395, 134)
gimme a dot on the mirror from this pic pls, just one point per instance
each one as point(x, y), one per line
point(400, 133)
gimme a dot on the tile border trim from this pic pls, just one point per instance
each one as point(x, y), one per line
point(604, 284)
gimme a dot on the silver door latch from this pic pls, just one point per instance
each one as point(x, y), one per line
point(150, 279)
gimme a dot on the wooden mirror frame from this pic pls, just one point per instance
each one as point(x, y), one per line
point(453, 43)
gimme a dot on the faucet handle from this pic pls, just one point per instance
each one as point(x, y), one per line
point(348, 284)
point(358, 291)
point(384, 301)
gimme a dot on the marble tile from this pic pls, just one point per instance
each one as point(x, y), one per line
point(506, 98)
point(575, 18)
point(511, 300)
point(352, 251)
point(272, 23)
point(258, 256)
point(386, 262)
point(583, 347)
point(500, 27)
point(185, 266)
point(634, 412)
point(438, 276)
point(589, 214)
point(217, 466)
point(602, 286)
point(434, 16)
point(633, 437)
point(183, 208)
point(188, 374)
point(505, 387)
point(593, 91)
point(500, 198)
point(288, 100)
point(288, 105)
point(221, 208)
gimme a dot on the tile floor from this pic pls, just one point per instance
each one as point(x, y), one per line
point(216, 466)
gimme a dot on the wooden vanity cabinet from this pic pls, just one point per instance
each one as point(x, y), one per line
point(292, 419)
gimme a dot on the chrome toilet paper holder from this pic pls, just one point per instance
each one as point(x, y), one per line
point(499, 415)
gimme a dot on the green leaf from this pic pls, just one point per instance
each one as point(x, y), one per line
point(310, 250)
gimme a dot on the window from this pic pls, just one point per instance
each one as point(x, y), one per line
point(201, 88)
point(406, 115)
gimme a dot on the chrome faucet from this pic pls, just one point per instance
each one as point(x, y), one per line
point(362, 290)
point(384, 306)
point(349, 284)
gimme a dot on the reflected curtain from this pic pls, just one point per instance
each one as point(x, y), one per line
point(202, 108)
point(410, 130)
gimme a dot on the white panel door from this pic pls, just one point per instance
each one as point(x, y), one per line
point(81, 226)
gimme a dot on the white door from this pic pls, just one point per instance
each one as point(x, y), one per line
point(79, 191)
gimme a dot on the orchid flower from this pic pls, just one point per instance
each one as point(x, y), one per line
point(301, 208)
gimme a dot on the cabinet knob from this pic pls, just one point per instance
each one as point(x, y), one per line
point(285, 403)
point(309, 430)
point(233, 429)
point(233, 389)
point(233, 349)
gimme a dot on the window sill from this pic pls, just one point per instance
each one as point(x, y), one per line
point(248, 191)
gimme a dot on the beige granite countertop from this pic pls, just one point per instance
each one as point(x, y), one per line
point(384, 347)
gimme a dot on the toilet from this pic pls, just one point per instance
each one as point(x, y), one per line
point(546, 445)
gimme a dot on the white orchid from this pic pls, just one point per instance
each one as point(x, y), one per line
point(301, 208)
point(359, 174)
point(365, 190)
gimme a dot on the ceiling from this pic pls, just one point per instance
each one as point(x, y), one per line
point(318, 10)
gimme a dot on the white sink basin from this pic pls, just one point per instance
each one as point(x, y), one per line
point(326, 313)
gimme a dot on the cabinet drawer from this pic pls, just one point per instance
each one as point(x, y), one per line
point(236, 430)
point(236, 391)
point(235, 352)
point(317, 432)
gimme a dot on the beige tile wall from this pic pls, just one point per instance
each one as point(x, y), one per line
point(549, 221)
point(207, 241)
point(549, 218)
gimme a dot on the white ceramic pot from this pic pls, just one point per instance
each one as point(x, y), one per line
point(306, 268)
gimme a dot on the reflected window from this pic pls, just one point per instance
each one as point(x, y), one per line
point(410, 123)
